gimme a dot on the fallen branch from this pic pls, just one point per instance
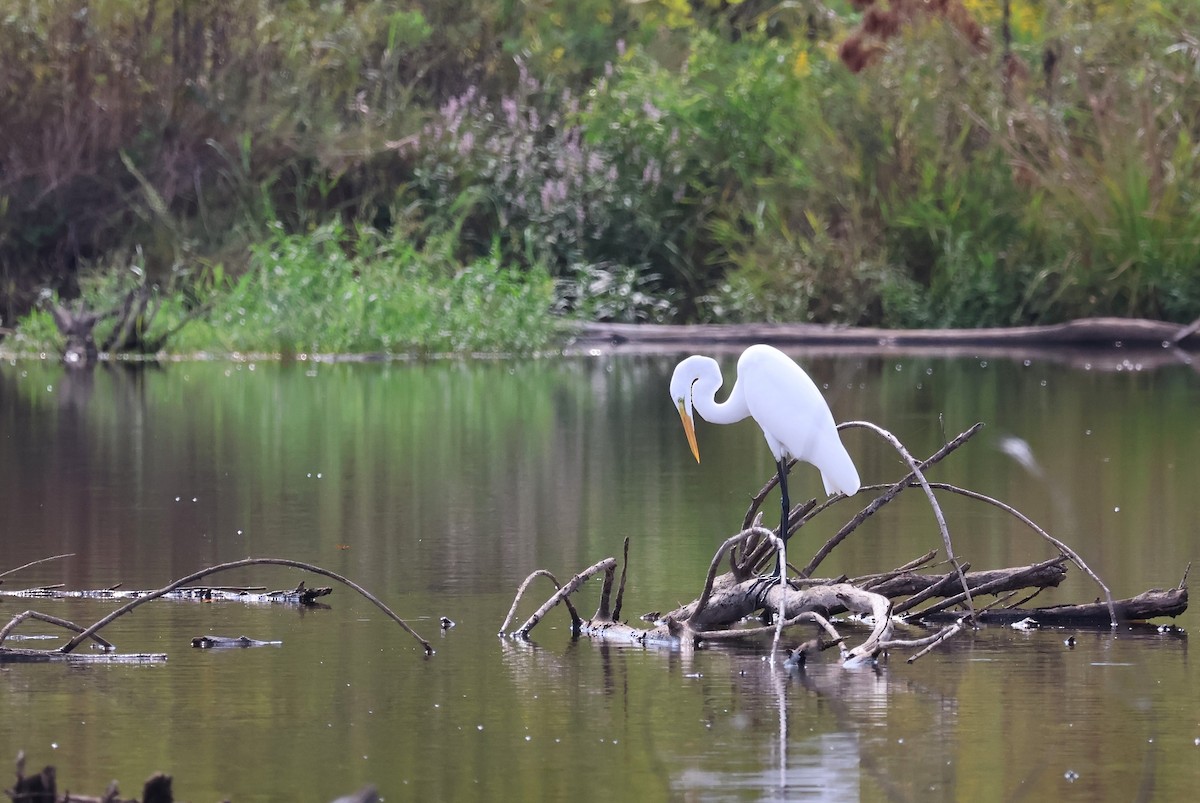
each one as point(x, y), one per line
point(90, 632)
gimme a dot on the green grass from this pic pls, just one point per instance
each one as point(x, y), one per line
point(338, 292)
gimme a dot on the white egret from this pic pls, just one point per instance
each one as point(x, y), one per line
point(785, 403)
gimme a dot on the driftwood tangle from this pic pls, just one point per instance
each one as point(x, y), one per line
point(906, 597)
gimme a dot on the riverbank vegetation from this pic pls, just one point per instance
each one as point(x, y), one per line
point(306, 176)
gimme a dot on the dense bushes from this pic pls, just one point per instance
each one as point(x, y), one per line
point(659, 160)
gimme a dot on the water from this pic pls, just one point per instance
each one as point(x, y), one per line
point(439, 487)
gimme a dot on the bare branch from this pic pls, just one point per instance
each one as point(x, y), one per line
point(606, 565)
point(36, 562)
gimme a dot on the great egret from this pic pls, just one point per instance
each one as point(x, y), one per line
point(785, 403)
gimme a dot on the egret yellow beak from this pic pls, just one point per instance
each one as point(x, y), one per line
point(689, 429)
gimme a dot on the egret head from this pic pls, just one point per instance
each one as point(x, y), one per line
point(681, 397)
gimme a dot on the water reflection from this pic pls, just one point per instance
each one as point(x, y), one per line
point(441, 486)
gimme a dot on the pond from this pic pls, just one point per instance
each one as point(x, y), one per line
point(440, 486)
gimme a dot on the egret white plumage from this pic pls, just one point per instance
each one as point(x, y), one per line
point(782, 399)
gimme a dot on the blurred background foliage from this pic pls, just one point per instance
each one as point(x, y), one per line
point(890, 162)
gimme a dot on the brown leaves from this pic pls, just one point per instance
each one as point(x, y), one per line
point(885, 20)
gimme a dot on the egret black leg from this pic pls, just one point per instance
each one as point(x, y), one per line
point(781, 466)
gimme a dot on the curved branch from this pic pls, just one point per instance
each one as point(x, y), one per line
point(512, 612)
point(1059, 545)
point(933, 503)
point(607, 565)
point(238, 564)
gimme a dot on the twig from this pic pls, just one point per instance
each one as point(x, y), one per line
point(932, 591)
point(749, 632)
point(36, 562)
point(929, 642)
point(238, 564)
point(764, 549)
point(872, 580)
point(1027, 598)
